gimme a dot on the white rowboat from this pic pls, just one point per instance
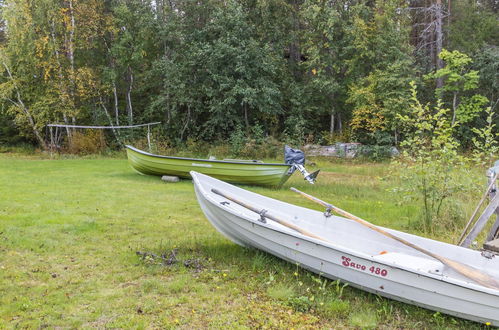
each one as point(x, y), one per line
point(354, 253)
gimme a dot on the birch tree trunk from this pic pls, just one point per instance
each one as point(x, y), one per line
point(340, 126)
point(331, 125)
point(112, 64)
point(20, 104)
point(246, 121)
point(116, 109)
point(129, 95)
point(186, 123)
point(454, 106)
point(116, 135)
point(62, 87)
point(71, 57)
point(439, 39)
point(333, 113)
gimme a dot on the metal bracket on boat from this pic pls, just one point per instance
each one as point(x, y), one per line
point(488, 254)
point(327, 212)
point(262, 216)
point(225, 203)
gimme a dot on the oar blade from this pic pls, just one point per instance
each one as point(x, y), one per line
point(468, 271)
point(472, 273)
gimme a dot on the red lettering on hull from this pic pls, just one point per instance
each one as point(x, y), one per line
point(347, 262)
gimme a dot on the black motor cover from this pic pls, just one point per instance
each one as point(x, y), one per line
point(293, 156)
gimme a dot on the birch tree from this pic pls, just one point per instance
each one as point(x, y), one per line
point(21, 87)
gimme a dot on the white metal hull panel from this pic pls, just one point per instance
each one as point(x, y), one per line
point(423, 283)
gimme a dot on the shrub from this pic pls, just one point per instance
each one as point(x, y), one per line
point(327, 138)
point(300, 304)
point(269, 148)
point(433, 171)
point(296, 130)
point(197, 147)
point(237, 140)
point(88, 142)
point(485, 142)
point(375, 153)
point(253, 144)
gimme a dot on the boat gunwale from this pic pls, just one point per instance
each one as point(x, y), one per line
point(446, 279)
point(142, 152)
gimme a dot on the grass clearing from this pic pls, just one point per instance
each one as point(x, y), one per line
point(70, 229)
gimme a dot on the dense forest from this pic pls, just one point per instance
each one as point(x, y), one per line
point(296, 70)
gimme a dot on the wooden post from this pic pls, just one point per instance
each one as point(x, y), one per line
point(51, 147)
point(149, 137)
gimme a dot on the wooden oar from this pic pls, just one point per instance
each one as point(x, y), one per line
point(264, 213)
point(468, 271)
point(492, 182)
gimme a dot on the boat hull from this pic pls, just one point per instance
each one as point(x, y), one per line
point(392, 275)
point(250, 173)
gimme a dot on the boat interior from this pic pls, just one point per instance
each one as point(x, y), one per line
point(348, 235)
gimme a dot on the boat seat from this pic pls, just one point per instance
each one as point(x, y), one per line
point(410, 261)
point(492, 245)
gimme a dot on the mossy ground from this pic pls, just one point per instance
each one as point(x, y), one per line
point(70, 230)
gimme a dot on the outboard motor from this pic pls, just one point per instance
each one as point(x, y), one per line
point(296, 158)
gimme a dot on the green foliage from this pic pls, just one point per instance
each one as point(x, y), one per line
point(295, 69)
point(322, 44)
point(329, 139)
point(455, 72)
point(458, 79)
point(473, 26)
point(237, 140)
point(486, 62)
point(375, 153)
point(470, 108)
point(383, 67)
point(301, 303)
point(296, 130)
point(432, 171)
point(9, 135)
point(235, 75)
point(485, 142)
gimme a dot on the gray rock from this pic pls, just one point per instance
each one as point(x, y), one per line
point(168, 178)
point(343, 150)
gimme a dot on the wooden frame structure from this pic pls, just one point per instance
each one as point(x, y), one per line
point(55, 138)
point(490, 209)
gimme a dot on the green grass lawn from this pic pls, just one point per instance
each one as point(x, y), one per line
point(70, 230)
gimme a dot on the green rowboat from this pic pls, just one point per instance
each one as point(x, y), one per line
point(234, 171)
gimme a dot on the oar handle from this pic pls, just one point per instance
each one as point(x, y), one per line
point(312, 198)
point(364, 222)
point(267, 215)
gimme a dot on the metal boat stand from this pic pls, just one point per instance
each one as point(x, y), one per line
point(492, 240)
